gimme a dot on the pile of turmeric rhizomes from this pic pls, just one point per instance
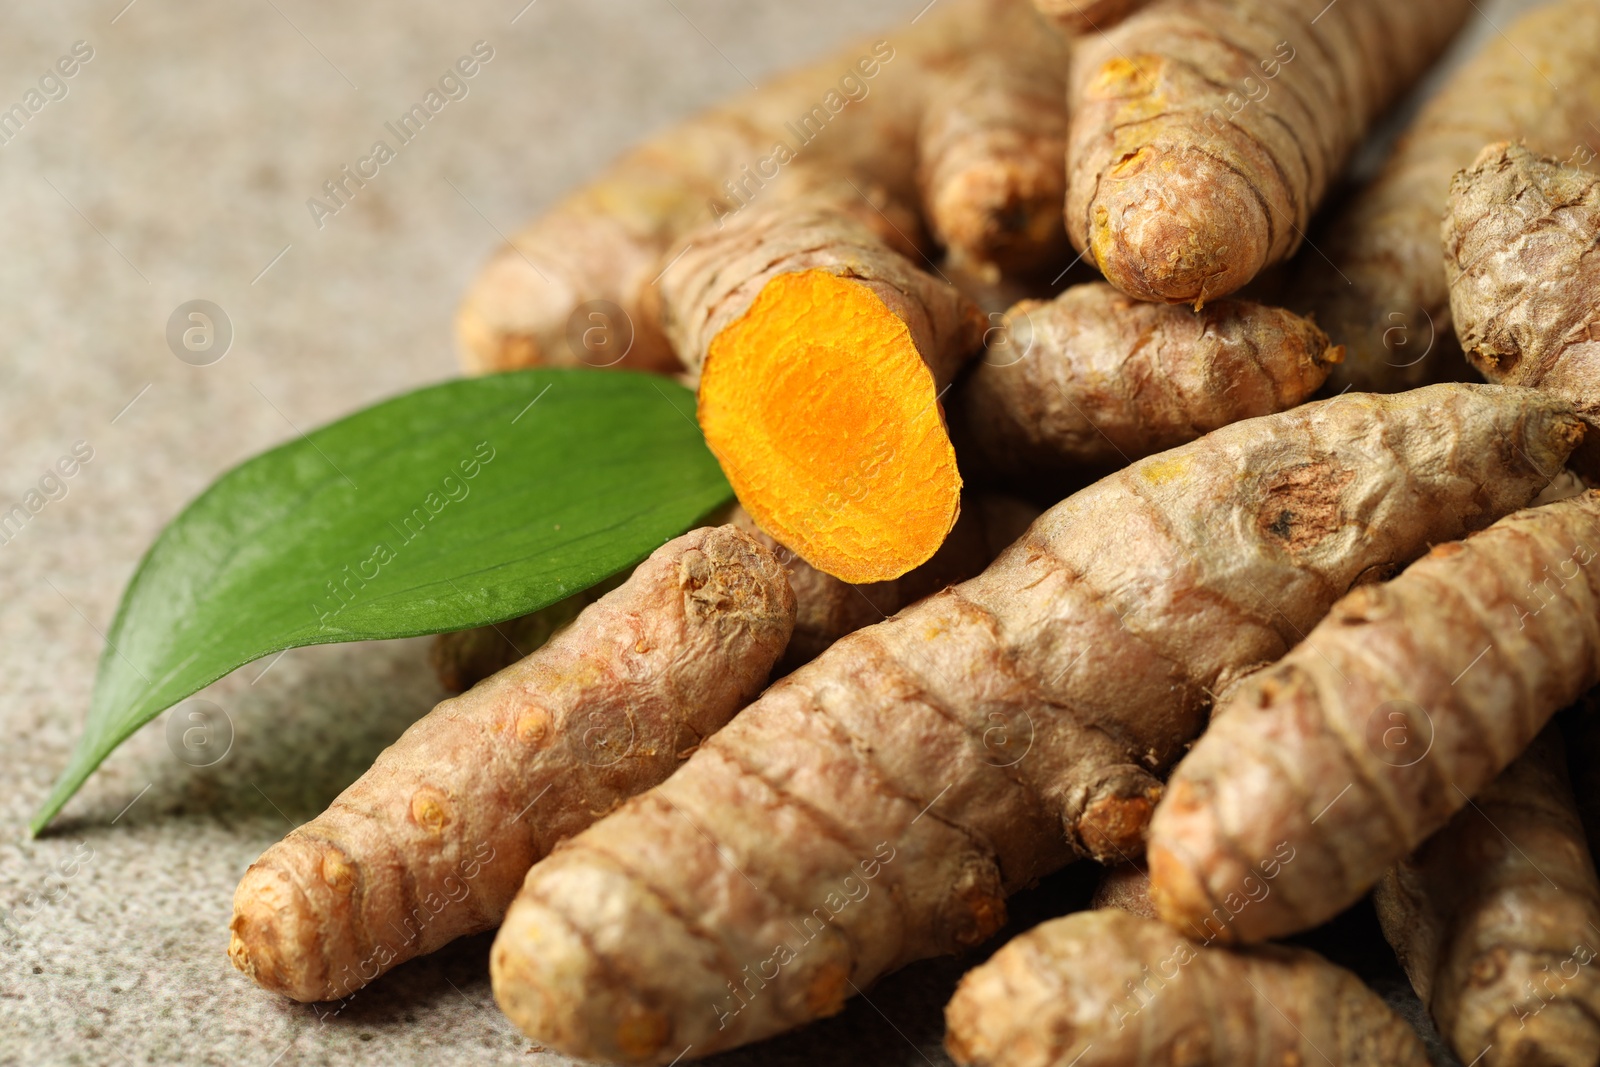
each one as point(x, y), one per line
point(1284, 652)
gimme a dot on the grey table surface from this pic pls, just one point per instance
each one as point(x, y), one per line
point(177, 167)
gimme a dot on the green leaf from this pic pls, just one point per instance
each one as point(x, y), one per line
point(457, 505)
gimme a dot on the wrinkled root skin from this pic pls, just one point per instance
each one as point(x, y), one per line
point(463, 658)
point(578, 286)
point(432, 842)
point(1519, 241)
point(1495, 919)
point(1379, 287)
point(1109, 989)
point(825, 608)
point(1205, 134)
point(992, 166)
point(1092, 380)
point(878, 805)
point(1370, 702)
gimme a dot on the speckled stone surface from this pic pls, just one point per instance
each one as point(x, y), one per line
point(177, 167)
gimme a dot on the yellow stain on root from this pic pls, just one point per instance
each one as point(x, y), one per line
point(826, 421)
point(1161, 471)
point(337, 872)
point(532, 726)
point(1123, 77)
point(430, 809)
